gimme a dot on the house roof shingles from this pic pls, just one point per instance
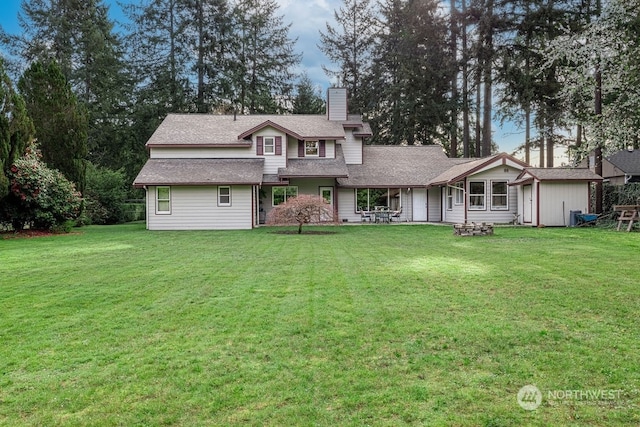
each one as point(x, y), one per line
point(627, 161)
point(556, 174)
point(462, 170)
point(394, 166)
point(200, 172)
point(316, 167)
point(228, 130)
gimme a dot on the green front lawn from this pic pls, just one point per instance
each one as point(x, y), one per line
point(372, 325)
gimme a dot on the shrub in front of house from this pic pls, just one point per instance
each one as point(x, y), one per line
point(300, 210)
point(39, 197)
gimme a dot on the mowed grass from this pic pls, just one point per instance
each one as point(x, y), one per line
point(372, 325)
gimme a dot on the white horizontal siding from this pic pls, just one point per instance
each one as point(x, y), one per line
point(196, 208)
point(558, 198)
point(498, 173)
point(271, 162)
point(337, 104)
point(347, 205)
point(202, 153)
point(434, 213)
point(352, 148)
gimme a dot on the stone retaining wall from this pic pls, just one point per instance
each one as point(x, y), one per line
point(473, 229)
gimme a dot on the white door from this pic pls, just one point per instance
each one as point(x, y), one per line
point(327, 195)
point(419, 204)
point(527, 204)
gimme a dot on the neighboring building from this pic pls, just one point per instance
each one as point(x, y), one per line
point(228, 172)
point(547, 196)
point(622, 167)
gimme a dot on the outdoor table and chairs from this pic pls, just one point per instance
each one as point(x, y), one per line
point(380, 215)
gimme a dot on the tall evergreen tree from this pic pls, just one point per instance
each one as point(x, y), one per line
point(262, 58)
point(348, 45)
point(159, 55)
point(79, 36)
point(209, 35)
point(307, 99)
point(410, 78)
point(60, 122)
point(16, 128)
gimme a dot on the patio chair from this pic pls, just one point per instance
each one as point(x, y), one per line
point(365, 216)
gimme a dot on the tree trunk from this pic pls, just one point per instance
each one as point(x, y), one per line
point(478, 129)
point(550, 142)
point(453, 149)
point(527, 134)
point(599, 142)
point(488, 80)
point(465, 85)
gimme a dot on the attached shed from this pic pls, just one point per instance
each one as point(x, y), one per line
point(546, 197)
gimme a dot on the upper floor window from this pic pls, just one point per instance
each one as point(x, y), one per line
point(311, 148)
point(269, 145)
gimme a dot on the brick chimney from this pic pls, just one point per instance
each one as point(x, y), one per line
point(337, 103)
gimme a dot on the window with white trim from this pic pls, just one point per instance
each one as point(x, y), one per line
point(269, 144)
point(224, 196)
point(449, 198)
point(477, 195)
point(499, 195)
point(282, 194)
point(163, 200)
point(311, 148)
point(459, 193)
point(368, 199)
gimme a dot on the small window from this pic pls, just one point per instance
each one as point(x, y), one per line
point(449, 198)
point(269, 145)
point(282, 194)
point(224, 196)
point(499, 195)
point(459, 194)
point(477, 195)
point(163, 200)
point(311, 148)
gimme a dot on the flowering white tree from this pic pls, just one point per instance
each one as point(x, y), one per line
point(604, 58)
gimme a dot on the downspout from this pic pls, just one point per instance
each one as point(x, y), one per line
point(466, 202)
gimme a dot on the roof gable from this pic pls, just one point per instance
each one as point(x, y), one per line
point(627, 161)
point(210, 130)
point(556, 174)
point(459, 172)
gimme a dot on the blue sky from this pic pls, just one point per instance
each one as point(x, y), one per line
point(307, 18)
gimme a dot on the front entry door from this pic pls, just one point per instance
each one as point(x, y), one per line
point(327, 195)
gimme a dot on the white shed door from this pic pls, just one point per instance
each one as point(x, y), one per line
point(527, 204)
point(419, 204)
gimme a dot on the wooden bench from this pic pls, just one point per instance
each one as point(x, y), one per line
point(628, 213)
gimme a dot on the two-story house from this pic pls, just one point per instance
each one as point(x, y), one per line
point(227, 172)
